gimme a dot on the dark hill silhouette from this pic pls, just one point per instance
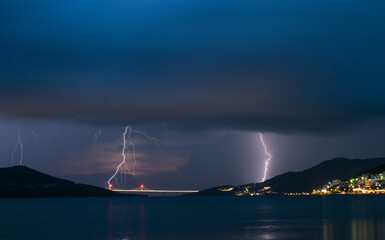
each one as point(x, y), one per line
point(21, 181)
point(25, 175)
point(375, 170)
point(309, 179)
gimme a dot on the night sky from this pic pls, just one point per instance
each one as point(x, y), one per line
point(203, 77)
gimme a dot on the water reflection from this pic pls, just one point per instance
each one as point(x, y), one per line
point(142, 221)
point(227, 218)
point(359, 229)
point(110, 221)
point(361, 221)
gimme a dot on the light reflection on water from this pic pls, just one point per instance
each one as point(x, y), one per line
point(110, 220)
point(358, 229)
point(263, 217)
point(363, 220)
point(142, 221)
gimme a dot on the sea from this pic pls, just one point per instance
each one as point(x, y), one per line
point(199, 218)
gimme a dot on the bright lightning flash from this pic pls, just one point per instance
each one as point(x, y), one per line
point(123, 161)
point(268, 156)
point(19, 143)
point(128, 139)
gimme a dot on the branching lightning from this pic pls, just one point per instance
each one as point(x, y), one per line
point(19, 144)
point(127, 140)
point(133, 151)
point(268, 156)
point(153, 139)
point(123, 160)
point(35, 137)
point(96, 136)
point(147, 136)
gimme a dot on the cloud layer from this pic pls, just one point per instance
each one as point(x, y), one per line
point(195, 64)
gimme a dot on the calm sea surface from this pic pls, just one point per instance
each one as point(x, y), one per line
point(263, 217)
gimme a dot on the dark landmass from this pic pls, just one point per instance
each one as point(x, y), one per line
point(307, 180)
point(21, 181)
point(375, 170)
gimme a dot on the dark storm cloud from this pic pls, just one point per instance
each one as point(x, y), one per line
point(270, 65)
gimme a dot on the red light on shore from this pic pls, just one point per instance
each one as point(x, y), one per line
point(141, 186)
point(110, 186)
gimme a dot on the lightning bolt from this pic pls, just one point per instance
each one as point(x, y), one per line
point(268, 156)
point(127, 139)
point(19, 143)
point(96, 136)
point(35, 137)
point(123, 160)
point(153, 139)
point(147, 136)
point(127, 169)
point(133, 151)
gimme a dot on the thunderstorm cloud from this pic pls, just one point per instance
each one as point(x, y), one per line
point(266, 65)
point(202, 76)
